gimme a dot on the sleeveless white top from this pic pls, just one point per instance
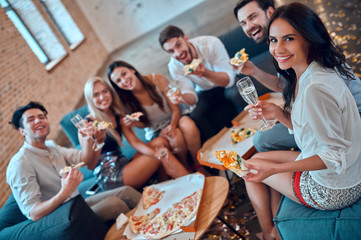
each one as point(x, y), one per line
point(158, 118)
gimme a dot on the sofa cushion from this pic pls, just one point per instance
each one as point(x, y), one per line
point(72, 220)
point(295, 221)
point(10, 214)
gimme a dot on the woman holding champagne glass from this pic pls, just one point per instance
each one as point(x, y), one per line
point(148, 94)
point(321, 113)
point(104, 105)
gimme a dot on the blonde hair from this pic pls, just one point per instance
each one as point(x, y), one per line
point(116, 107)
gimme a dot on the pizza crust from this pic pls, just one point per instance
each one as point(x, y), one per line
point(66, 169)
point(134, 116)
point(151, 196)
point(101, 125)
point(232, 161)
point(179, 214)
point(190, 68)
point(239, 134)
point(239, 58)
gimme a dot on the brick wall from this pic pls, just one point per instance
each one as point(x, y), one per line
point(24, 78)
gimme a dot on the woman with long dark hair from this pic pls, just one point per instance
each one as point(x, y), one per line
point(322, 114)
point(116, 170)
point(147, 94)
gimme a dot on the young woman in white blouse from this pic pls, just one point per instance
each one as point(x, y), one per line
point(321, 113)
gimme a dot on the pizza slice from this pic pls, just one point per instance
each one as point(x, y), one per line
point(239, 58)
point(176, 216)
point(134, 116)
point(151, 196)
point(232, 161)
point(137, 223)
point(67, 168)
point(190, 68)
point(239, 134)
point(101, 125)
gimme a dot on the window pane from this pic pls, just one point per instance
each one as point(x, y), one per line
point(39, 28)
point(63, 20)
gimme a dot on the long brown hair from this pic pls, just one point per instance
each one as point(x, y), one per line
point(130, 102)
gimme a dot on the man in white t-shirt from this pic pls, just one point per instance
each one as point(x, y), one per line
point(205, 86)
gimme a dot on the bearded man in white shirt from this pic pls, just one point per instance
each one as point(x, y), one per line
point(205, 86)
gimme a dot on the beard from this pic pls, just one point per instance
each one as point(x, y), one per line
point(259, 39)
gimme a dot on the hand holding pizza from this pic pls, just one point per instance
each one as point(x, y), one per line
point(71, 181)
point(262, 169)
point(200, 71)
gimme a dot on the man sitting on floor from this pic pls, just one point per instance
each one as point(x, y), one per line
point(33, 172)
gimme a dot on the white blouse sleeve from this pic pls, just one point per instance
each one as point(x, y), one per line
point(322, 112)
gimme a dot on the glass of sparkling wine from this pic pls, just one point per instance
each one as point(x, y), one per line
point(249, 94)
point(175, 97)
point(79, 122)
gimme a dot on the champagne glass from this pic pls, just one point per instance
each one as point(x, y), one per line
point(249, 94)
point(80, 124)
point(175, 97)
point(162, 153)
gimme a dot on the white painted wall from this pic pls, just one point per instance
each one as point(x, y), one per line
point(118, 22)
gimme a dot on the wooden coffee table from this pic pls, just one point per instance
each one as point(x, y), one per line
point(214, 194)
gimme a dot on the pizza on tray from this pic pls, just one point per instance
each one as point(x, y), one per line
point(137, 223)
point(179, 214)
point(232, 161)
point(190, 68)
point(239, 134)
point(239, 58)
point(151, 196)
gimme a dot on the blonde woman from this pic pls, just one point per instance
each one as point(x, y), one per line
point(115, 169)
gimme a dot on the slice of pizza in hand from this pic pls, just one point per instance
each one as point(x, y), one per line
point(239, 134)
point(101, 125)
point(67, 168)
point(134, 116)
point(138, 223)
point(232, 161)
point(179, 214)
point(239, 58)
point(190, 68)
point(151, 196)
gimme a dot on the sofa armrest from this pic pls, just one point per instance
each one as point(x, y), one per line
point(72, 220)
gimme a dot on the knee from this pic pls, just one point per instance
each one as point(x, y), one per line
point(159, 141)
point(260, 141)
point(187, 125)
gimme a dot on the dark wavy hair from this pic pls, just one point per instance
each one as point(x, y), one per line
point(263, 4)
point(130, 102)
point(17, 119)
point(169, 32)
point(321, 47)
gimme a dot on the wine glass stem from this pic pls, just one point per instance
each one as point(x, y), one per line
point(264, 120)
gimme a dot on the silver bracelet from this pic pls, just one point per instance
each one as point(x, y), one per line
point(98, 146)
